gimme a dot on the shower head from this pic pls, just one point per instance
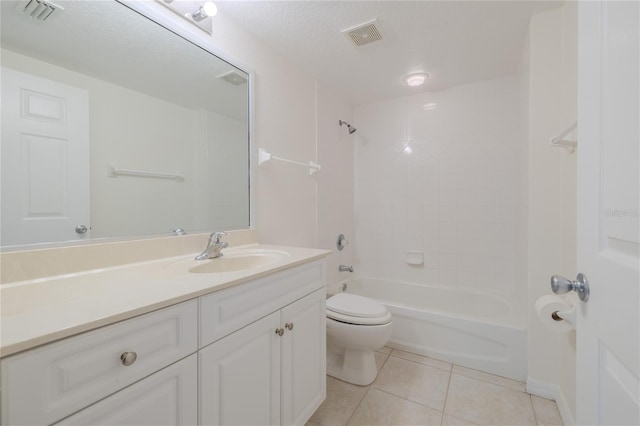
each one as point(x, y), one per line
point(352, 129)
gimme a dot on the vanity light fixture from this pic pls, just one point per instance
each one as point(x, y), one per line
point(205, 11)
point(415, 79)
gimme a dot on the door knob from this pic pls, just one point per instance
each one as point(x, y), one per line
point(560, 285)
point(81, 229)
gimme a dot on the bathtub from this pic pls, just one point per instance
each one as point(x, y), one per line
point(472, 329)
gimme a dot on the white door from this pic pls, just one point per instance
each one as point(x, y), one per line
point(45, 160)
point(168, 397)
point(608, 329)
point(304, 364)
point(240, 376)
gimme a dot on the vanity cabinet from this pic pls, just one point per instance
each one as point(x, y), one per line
point(253, 353)
point(270, 372)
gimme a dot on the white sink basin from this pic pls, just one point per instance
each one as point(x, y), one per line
point(238, 261)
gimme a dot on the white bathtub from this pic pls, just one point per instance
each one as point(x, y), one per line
point(471, 329)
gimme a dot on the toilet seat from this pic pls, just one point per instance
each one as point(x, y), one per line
point(358, 310)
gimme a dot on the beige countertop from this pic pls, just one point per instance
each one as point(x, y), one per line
point(43, 310)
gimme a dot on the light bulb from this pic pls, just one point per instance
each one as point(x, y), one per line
point(210, 8)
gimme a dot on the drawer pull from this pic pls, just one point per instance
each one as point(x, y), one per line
point(289, 326)
point(280, 331)
point(128, 358)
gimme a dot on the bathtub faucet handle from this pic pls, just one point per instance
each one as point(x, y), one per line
point(345, 268)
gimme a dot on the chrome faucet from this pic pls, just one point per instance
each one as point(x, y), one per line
point(345, 268)
point(213, 246)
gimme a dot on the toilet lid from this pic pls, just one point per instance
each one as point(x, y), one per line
point(353, 305)
point(348, 319)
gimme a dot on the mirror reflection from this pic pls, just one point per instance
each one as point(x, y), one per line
point(113, 126)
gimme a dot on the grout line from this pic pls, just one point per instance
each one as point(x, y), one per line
point(446, 396)
point(450, 370)
point(368, 388)
point(364, 395)
point(533, 409)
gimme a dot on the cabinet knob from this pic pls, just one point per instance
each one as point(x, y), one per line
point(128, 358)
point(289, 326)
point(280, 331)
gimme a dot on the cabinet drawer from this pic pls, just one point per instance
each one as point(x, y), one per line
point(226, 311)
point(45, 384)
point(168, 397)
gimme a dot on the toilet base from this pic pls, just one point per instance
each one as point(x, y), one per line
point(351, 365)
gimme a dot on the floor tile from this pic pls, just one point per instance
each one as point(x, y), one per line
point(380, 359)
point(422, 359)
point(450, 420)
point(381, 408)
point(491, 378)
point(485, 403)
point(342, 400)
point(546, 411)
point(386, 350)
point(415, 382)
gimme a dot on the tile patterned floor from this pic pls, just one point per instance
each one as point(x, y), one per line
point(416, 390)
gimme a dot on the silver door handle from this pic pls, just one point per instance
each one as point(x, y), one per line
point(560, 285)
point(81, 229)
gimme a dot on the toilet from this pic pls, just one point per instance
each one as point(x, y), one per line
point(356, 327)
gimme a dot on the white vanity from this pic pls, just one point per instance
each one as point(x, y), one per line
point(239, 347)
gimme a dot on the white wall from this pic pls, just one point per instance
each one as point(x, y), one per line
point(552, 196)
point(295, 117)
point(454, 197)
point(285, 125)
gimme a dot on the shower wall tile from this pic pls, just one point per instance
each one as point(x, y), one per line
point(335, 183)
point(440, 173)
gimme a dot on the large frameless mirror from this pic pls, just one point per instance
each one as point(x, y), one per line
point(114, 126)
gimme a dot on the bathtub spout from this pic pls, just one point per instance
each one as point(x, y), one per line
point(345, 268)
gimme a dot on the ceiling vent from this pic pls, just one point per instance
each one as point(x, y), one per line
point(363, 34)
point(40, 10)
point(233, 77)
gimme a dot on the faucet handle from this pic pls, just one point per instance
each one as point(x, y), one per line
point(215, 236)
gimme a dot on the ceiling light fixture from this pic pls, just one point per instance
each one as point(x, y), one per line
point(415, 79)
point(205, 11)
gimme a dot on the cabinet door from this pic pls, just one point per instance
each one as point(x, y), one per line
point(168, 397)
point(303, 358)
point(240, 376)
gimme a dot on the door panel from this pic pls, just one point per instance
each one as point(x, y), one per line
point(240, 376)
point(608, 329)
point(304, 358)
point(45, 160)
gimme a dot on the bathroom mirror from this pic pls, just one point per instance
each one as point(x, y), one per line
point(115, 127)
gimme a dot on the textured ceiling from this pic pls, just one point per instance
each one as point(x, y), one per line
point(108, 41)
point(456, 42)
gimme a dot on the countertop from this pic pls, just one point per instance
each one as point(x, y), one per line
point(43, 310)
